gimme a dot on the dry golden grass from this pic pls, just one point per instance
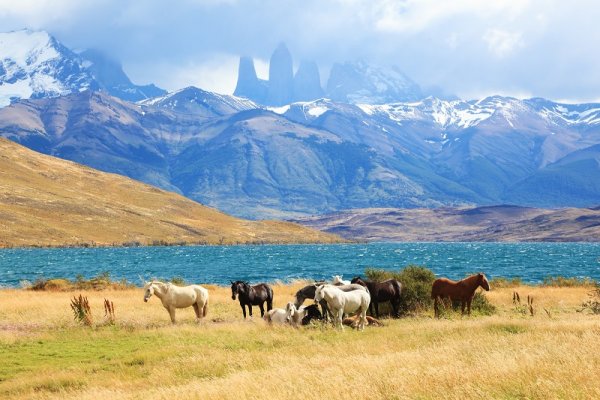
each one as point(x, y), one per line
point(47, 355)
point(46, 201)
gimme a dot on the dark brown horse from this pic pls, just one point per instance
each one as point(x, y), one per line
point(462, 291)
point(388, 290)
point(252, 296)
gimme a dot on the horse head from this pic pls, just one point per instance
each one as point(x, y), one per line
point(148, 291)
point(234, 289)
point(319, 293)
point(290, 310)
point(238, 288)
point(483, 282)
point(358, 280)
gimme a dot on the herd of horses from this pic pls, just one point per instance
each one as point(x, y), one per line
point(336, 299)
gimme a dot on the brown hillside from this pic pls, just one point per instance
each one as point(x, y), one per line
point(46, 201)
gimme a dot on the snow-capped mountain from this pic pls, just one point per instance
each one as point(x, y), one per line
point(33, 64)
point(200, 102)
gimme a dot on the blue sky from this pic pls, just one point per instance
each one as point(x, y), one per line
point(471, 48)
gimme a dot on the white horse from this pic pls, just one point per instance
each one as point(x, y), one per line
point(279, 315)
point(337, 280)
point(295, 315)
point(173, 297)
point(340, 302)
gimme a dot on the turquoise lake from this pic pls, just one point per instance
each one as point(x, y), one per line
point(220, 264)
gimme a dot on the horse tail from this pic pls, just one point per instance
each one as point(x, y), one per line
point(269, 298)
point(398, 287)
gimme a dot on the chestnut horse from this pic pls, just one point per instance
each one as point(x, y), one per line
point(462, 291)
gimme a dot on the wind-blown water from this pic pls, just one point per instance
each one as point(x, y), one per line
point(220, 264)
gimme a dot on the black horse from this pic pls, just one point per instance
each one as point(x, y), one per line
point(308, 292)
point(312, 312)
point(388, 290)
point(252, 296)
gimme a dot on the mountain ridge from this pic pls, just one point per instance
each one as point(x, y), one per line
point(503, 223)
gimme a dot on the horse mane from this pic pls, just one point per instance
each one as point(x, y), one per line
point(472, 278)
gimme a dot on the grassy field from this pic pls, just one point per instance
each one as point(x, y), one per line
point(45, 355)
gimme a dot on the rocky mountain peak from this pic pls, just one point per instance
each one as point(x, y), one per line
point(281, 77)
point(248, 85)
point(307, 82)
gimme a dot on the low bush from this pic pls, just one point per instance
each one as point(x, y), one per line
point(561, 281)
point(100, 282)
point(593, 304)
point(416, 287)
point(81, 310)
point(501, 282)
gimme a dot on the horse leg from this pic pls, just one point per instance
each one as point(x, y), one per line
point(395, 306)
point(376, 309)
point(462, 306)
point(262, 309)
point(172, 314)
point(250, 310)
point(469, 306)
point(436, 306)
point(205, 309)
point(243, 309)
point(196, 310)
point(340, 319)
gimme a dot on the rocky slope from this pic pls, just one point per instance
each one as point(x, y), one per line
point(497, 223)
point(45, 201)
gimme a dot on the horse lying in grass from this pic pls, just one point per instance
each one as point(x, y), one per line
point(340, 302)
point(462, 291)
point(173, 297)
point(388, 290)
point(302, 315)
point(250, 296)
point(355, 320)
point(280, 315)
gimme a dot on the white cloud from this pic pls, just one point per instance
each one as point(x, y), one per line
point(410, 16)
point(502, 43)
point(218, 73)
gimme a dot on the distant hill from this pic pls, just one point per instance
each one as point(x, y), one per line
point(495, 223)
point(46, 201)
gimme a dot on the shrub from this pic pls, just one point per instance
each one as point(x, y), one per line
point(109, 311)
point(416, 287)
point(81, 310)
point(500, 282)
point(561, 281)
point(177, 280)
point(481, 304)
point(593, 304)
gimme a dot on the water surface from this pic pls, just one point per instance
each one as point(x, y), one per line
point(220, 264)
